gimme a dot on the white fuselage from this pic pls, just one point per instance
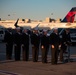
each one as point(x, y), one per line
point(41, 25)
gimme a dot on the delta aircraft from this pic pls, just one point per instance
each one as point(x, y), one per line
point(67, 22)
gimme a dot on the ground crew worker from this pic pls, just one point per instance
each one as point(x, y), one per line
point(44, 46)
point(35, 41)
point(17, 44)
point(66, 40)
point(9, 43)
point(55, 43)
point(25, 45)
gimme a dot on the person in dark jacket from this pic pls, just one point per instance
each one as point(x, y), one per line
point(44, 46)
point(55, 44)
point(25, 45)
point(9, 43)
point(35, 41)
point(17, 44)
point(66, 40)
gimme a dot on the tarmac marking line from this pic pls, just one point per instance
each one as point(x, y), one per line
point(7, 72)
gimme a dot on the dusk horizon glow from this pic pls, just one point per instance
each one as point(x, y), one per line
point(35, 9)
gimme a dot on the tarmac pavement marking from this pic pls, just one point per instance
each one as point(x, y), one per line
point(8, 73)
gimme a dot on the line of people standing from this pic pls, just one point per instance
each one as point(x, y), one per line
point(21, 40)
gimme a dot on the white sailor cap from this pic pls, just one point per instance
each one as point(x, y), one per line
point(18, 28)
point(24, 28)
point(36, 28)
point(55, 28)
point(44, 30)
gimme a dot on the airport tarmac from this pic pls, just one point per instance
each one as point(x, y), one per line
point(11, 67)
point(36, 68)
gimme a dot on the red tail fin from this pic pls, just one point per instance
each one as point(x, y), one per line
point(70, 16)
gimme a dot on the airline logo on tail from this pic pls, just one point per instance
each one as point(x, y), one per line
point(70, 16)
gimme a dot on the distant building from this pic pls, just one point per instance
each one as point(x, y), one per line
point(53, 20)
point(58, 20)
point(0, 19)
point(23, 20)
point(27, 20)
point(48, 19)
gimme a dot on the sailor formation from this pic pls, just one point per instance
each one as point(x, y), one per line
point(20, 40)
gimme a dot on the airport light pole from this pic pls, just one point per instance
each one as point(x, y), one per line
point(51, 14)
